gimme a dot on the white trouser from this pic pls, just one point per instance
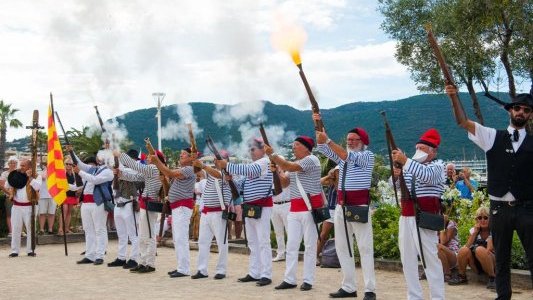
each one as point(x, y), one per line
point(258, 235)
point(181, 218)
point(300, 224)
point(212, 224)
point(125, 224)
point(20, 215)
point(365, 243)
point(279, 222)
point(93, 219)
point(147, 244)
point(408, 253)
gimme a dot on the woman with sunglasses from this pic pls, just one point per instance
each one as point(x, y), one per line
point(75, 184)
point(478, 252)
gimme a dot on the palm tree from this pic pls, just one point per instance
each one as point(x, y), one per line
point(7, 116)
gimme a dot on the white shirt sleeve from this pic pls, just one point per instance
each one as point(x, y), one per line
point(484, 137)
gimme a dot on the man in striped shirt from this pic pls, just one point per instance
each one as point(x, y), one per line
point(180, 197)
point(256, 191)
point(147, 218)
point(216, 198)
point(355, 163)
point(430, 178)
point(306, 194)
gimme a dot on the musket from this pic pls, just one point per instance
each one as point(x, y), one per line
point(214, 150)
point(194, 149)
point(101, 123)
point(405, 194)
point(33, 196)
point(319, 125)
point(458, 110)
point(275, 176)
point(71, 152)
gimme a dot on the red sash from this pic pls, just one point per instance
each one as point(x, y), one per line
point(88, 198)
point(143, 200)
point(360, 197)
point(21, 203)
point(208, 209)
point(189, 203)
point(426, 204)
point(263, 202)
point(298, 204)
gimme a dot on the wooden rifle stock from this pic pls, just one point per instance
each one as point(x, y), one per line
point(165, 187)
point(115, 176)
point(33, 195)
point(391, 145)
point(319, 125)
point(458, 110)
point(275, 175)
point(214, 150)
point(194, 149)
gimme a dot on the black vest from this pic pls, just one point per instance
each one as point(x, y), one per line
point(509, 171)
point(73, 179)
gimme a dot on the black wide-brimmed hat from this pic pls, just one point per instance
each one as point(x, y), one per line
point(524, 99)
point(17, 179)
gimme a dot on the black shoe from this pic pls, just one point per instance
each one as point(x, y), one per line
point(491, 284)
point(32, 254)
point(83, 253)
point(130, 264)
point(84, 261)
point(342, 294)
point(173, 271)
point(305, 286)
point(263, 281)
point(136, 268)
point(117, 263)
point(220, 276)
point(98, 261)
point(284, 285)
point(198, 276)
point(177, 274)
point(369, 296)
point(247, 278)
point(13, 255)
point(146, 269)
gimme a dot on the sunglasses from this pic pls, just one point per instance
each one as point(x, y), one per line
point(479, 218)
point(518, 108)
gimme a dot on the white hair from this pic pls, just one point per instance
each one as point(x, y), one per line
point(13, 158)
point(105, 157)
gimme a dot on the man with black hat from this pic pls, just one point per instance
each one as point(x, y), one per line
point(303, 177)
point(510, 184)
point(180, 198)
point(355, 163)
point(125, 214)
point(21, 209)
point(256, 190)
point(429, 174)
point(97, 177)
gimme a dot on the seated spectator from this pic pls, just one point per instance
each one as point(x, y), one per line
point(466, 185)
point(448, 247)
point(478, 252)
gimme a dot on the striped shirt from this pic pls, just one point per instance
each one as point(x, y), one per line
point(210, 195)
point(150, 174)
point(430, 177)
point(182, 188)
point(309, 177)
point(360, 165)
point(257, 181)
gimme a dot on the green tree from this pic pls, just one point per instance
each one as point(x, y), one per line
point(85, 142)
point(7, 119)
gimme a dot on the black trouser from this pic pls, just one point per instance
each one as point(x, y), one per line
point(504, 219)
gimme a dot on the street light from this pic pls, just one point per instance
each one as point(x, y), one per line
point(159, 98)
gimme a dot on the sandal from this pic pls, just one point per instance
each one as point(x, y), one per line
point(60, 232)
point(459, 279)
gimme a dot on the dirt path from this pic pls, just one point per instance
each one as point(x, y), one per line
point(51, 275)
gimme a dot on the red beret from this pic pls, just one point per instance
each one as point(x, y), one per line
point(362, 134)
point(308, 142)
point(430, 138)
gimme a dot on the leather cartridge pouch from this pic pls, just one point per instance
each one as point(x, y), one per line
point(252, 211)
point(320, 214)
point(229, 215)
point(356, 213)
point(154, 206)
point(430, 221)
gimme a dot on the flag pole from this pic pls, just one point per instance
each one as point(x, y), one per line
point(62, 204)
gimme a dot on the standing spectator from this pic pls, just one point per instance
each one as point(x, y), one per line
point(75, 184)
point(478, 252)
point(451, 175)
point(510, 184)
point(466, 185)
point(47, 206)
point(448, 247)
point(12, 164)
point(330, 181)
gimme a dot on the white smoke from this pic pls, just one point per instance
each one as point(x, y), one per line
point(116, 133)
point(225, 115)
point(178, 130)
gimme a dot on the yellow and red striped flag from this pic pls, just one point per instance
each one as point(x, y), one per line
point(56, 181)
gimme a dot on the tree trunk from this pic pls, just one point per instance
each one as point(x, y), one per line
point(475, 102)
point(3, 146)
point(504, 55)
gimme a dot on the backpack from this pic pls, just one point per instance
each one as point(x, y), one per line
point(329, 255)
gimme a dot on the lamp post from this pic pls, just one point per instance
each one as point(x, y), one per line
point(159, 98)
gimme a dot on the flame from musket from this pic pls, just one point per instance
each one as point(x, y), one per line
point(289, 37)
